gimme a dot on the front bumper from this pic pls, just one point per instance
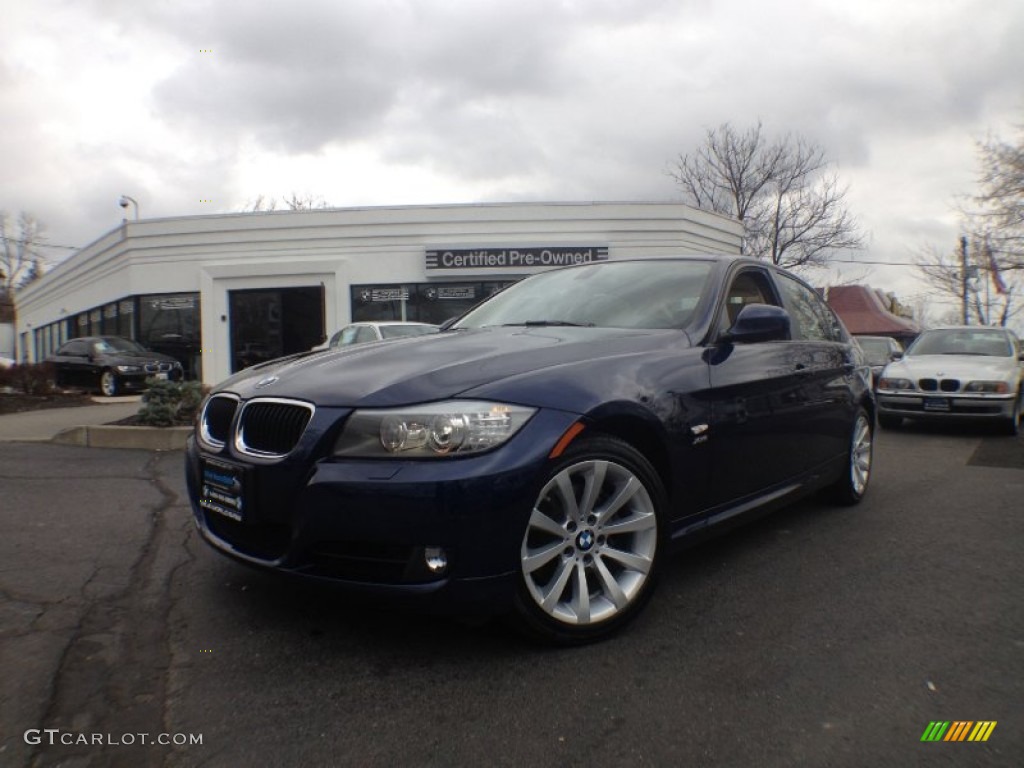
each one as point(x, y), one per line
point(137, 382)
point(368, 524)
point(919, 405)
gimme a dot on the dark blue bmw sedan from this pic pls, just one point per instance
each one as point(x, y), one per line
point(541, 456)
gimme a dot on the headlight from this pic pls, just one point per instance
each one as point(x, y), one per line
point(897, 384)
point(128, 368)
point(454, 427)
point(991, 387)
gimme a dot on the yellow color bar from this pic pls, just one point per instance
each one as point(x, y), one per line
point(982, 730)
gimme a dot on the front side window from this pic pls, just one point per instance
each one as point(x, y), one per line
point(365, 334)
point(748, 287)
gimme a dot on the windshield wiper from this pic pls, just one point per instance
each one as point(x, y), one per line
point(543, 323)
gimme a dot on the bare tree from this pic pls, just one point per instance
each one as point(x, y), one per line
point(993, 295)
point(19, 244)
point(792, 207)
point(1000, 217)
point(293, 202)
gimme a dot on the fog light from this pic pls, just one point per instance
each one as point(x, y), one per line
point(436, 559)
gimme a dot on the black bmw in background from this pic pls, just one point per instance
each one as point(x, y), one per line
point(540, 457)
point(111, 364)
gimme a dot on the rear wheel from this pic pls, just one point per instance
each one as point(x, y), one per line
point(589, 554)
point(850, 488)
point(108, 383)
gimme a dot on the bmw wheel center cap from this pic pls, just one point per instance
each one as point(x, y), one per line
point(585, 540)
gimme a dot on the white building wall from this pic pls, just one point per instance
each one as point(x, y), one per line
point(337, 248)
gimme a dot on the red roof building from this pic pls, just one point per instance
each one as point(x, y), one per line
point(865, 312)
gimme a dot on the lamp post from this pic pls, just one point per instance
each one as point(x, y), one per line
point(123, 202)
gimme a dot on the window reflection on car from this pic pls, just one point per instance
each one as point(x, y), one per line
point(362, 333)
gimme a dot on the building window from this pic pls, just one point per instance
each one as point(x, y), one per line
point(419, 302)
point(126, 318)
point(170, 323)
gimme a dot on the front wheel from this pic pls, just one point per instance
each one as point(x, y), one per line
point(108, 383)
point(849, 489)
point(1011, 426)
point(589, 554)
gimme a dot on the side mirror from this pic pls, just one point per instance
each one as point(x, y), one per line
point(897, 355)
point(759, 322)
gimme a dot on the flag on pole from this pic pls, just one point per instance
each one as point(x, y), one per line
point(993, 266)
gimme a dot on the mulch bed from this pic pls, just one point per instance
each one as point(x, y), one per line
point(18, 402)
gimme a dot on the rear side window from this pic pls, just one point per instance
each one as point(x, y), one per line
point(811, 316)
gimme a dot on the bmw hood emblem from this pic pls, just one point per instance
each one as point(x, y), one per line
point(266, 382)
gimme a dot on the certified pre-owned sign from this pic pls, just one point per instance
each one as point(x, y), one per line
point(505, 258)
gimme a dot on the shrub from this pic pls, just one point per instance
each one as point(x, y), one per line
point(170, 403)
point(29, 378)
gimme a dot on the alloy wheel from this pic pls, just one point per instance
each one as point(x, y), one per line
point(590, 544)
point(860, 455)
point(108, 383)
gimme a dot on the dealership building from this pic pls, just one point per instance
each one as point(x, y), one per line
point(222, 291)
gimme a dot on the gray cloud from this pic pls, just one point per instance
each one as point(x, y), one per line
point(527, 99)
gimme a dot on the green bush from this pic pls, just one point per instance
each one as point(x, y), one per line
point(170, 403)
point(30, 378)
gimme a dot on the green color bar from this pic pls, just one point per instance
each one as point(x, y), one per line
point(935, 731)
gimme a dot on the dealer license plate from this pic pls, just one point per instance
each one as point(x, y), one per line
point(223, 489)
point(936, 404)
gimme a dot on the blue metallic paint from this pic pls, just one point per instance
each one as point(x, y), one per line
point(726, 425)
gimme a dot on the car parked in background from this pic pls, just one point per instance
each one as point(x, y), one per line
point(879, 352)
point(362, 333)
point(542, 455)
point(111, 364)
point(956, 373)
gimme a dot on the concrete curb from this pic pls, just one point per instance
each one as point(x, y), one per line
point(139, 438)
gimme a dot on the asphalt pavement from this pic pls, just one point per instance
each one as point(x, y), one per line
point(816, 636)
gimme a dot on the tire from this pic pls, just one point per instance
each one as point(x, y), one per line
point(108, 383)
point(591, 549)
point(850, 488)
point(886, 421)
point(1011, 426)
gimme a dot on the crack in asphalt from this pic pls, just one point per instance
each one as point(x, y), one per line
point(113, 674)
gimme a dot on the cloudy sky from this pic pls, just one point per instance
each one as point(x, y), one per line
point(198, 107)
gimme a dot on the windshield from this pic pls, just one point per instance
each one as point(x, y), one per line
point(400, 331)
point(114, 344)
point(962, 342)
point(628, 294)
point(876, 350)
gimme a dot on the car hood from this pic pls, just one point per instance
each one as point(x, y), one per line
point(436, 366)
point(965, 367)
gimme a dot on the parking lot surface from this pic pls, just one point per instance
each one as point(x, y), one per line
point(815, 636)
